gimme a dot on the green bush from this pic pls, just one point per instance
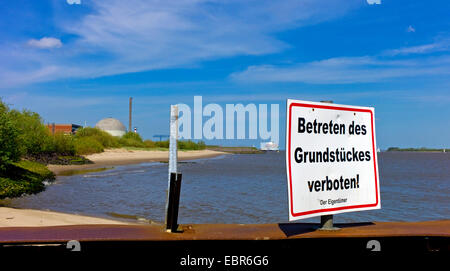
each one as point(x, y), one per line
point(131, 139)
point(89, 131)
point(134, 136)
point(191, 145)
point(34, 137)
point(149, 144)
point(63, 144)
point(162, 144)
point(90, 140)
point(10, 150)
point(182, 145)
point(87, 145)
point(131, 142)
point(105, 139)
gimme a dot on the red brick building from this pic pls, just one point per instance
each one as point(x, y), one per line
point(63, 128)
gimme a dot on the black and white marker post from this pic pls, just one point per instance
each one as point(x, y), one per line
point(174, 186)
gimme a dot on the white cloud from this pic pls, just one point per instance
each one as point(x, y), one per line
point(154, 34)
point(139, 35)
point(72, 2)
point(45, 43)
point(373, 2)
point(346, 70)
point(440, 45)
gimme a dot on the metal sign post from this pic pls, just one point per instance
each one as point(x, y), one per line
point(326, 221)
point(174, 182)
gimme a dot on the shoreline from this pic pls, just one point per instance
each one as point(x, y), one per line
point(13, 217)
point(119, 157)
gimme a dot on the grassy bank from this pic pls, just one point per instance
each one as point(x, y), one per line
point(23, 177)
point(27, 145)
point(92, 140)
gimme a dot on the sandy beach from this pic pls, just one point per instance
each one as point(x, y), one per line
point(112, 157)
point(11, 217)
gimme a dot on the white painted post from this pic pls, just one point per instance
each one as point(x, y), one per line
point(173, 154)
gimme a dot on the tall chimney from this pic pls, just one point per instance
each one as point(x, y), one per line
point(129, 120)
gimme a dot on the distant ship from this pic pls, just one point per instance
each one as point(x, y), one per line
point(269, 146)
point(378, 150)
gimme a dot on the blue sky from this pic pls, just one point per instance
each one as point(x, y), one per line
point(77, 61)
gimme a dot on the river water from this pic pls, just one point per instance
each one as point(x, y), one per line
point(243, 188)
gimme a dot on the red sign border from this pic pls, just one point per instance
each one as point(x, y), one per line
point(289, 160)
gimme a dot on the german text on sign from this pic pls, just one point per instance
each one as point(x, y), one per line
point(331, 159)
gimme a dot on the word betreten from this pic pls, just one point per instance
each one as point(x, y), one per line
point(336, 184)
point(337, 155)
point(331, 128)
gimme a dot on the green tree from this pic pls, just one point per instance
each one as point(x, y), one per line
point(33, 135)
point(9, 138)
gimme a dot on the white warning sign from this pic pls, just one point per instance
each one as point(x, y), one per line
point(331, 159)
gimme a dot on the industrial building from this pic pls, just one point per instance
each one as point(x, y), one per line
point(63, 128)
point(112, 126)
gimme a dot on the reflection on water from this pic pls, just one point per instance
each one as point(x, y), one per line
point(82, 171)
point(248, 188)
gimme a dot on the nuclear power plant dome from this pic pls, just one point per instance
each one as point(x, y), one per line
point(112, 126)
